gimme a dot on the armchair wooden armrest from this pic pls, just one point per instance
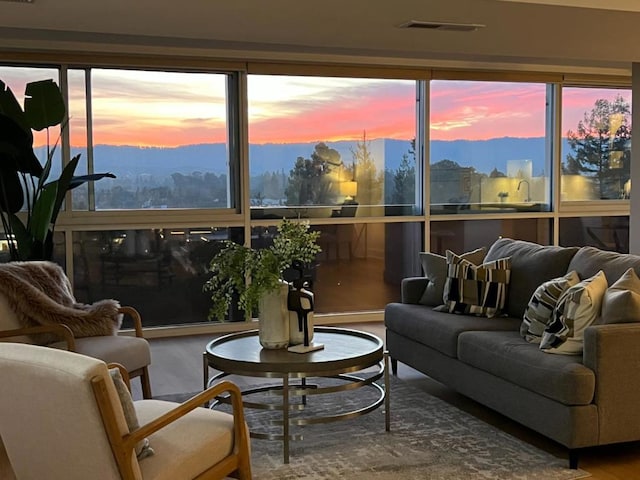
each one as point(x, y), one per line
point(135, 316)
point(124, 445)
point(60, 330)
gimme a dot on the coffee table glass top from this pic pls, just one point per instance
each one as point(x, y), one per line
point(344, 351)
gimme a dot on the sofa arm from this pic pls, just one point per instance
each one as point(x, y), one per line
point(412, 288)
point(612, 352)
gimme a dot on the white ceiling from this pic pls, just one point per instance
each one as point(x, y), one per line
point(531, 32)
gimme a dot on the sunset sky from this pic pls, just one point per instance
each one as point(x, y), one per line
point(171, 109)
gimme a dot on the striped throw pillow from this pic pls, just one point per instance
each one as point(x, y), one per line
point(476, 289)
point(537, 315)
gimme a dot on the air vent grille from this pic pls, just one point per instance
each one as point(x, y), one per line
point(18, 1)
point(452, 27)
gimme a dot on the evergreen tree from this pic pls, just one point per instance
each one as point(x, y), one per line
point(309, 181)
point(600, 146)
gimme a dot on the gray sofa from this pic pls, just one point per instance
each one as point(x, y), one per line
point(577, 400)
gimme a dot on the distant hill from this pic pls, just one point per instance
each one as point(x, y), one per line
point(484, 155)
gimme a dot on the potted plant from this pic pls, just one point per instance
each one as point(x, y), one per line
point(253, 277)
point(24, 182)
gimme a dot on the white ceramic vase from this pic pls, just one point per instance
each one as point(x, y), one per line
point(273, 316)
point(296, 336)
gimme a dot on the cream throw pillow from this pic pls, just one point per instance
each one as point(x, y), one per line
point(142, 447)
point(621, 302)
point(578, 307)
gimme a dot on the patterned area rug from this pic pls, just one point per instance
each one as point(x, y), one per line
point(429, 440)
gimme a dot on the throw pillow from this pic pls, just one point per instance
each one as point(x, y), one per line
point(142, 447)
point(621, 302)
point(476, 289)
point(537, 315)
point(435, 270)
point(577, 308)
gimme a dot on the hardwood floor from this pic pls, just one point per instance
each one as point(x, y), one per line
point(177, 368)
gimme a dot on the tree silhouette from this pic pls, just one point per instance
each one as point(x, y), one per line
point(404, 178)
point(600, 146)
point(366, 173)
point(309, 181)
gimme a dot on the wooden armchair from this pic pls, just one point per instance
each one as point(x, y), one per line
point(78, 429)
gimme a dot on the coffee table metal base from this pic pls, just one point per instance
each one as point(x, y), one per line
point(299, 389)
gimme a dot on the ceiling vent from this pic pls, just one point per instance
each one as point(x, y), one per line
point(18, 1)
point(451, 27)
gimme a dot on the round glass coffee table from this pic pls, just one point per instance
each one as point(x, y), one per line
point(345, 357)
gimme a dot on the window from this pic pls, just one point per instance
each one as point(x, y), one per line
point(317, 145)
point(596, 144)
point(488, 150)
point(163, 134)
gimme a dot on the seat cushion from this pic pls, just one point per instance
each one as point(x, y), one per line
point(187, 447)
point(507, 355)
point(439, 330)
point(131, 352)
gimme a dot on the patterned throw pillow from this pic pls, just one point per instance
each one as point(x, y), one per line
point(435, 269)
point(537, 315)
point(579, 306)
point(477, 290)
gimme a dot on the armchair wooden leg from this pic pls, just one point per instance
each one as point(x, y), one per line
point(146, 385)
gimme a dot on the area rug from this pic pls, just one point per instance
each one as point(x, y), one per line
point(429, 440)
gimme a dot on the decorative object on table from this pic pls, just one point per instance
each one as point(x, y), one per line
point(300, 303)
point(24, 183)
point(252, 274)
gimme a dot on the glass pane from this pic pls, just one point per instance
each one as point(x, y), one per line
point(607, 233)
point(596, 144)
point(488, 147)
point(78, 134)
point(318, 144)
point(160, 272)
point(164, 135)
point(462, 236)
point(361, 264)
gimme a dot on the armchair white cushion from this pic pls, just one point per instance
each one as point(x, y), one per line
point(77, 429)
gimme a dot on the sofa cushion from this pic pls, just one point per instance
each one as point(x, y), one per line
point(435, 270)
point(538, 313)
point(476, 289)
point(621, 301)
point(589, 260)
point(507, 355)
point(578, 307)
point(439, 330)
point(531, 264)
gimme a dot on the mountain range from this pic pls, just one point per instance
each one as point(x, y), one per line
point(484, 155)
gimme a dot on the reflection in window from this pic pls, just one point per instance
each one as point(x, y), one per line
point(488, 149)
point(158, 271)
point(316, 144)
point(596, 146)
point(606, 233)
point(462, 236)
point(164, 135)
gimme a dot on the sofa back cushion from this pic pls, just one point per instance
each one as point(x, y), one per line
point(531, 265)
point(589, 260)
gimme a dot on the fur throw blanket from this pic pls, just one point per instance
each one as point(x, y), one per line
point(40, 293)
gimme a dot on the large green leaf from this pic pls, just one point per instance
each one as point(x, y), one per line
point(16, 148)
point(11, 193)
point(62, 185)
point(10, 107)
point(43, 212)
point(43, 104)
point(23, 238)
